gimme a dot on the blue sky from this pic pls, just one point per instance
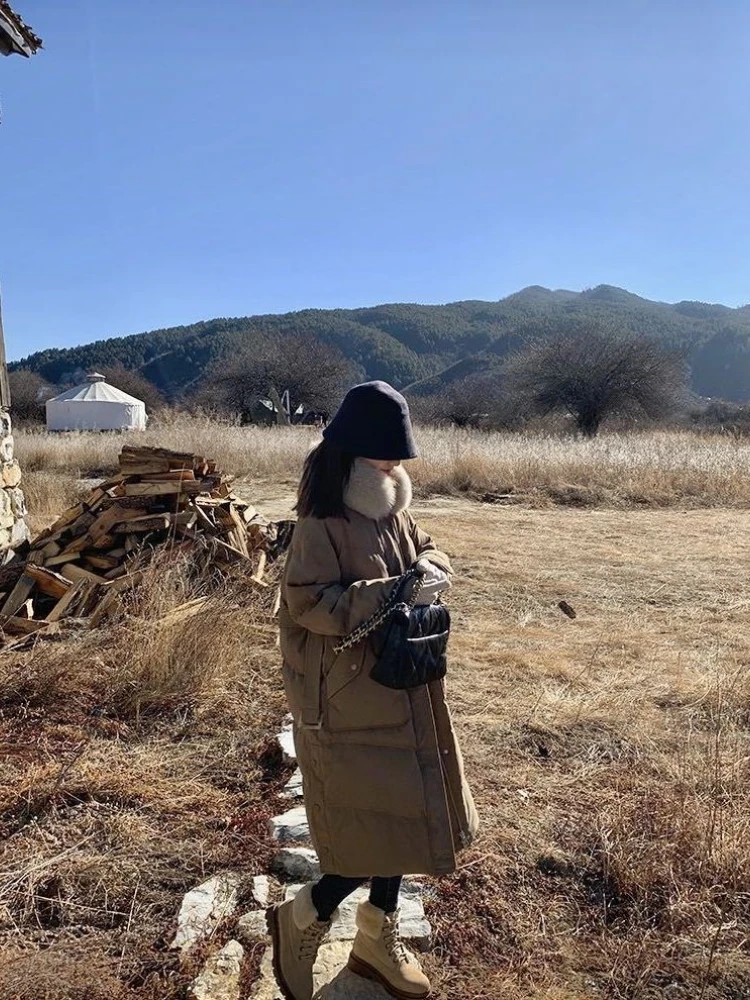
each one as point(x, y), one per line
point(164, 162)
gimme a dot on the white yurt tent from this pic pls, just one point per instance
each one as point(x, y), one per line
point(95, 406)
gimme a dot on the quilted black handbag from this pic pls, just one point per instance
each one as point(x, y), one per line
point(410, 641)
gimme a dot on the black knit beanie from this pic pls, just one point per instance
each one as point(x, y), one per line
point(373, 422)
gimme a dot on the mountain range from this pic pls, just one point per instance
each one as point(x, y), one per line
point(425, 347)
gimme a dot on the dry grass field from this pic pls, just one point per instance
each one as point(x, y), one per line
point(650, 469)
point(609, 754)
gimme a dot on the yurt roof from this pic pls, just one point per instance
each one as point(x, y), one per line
point(95, 389)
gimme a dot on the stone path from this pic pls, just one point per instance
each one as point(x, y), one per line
point(295, 863)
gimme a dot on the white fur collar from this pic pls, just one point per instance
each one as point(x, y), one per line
point(375, 495)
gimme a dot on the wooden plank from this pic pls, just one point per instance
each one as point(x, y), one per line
point(64, 557)
point(100, 560)
point(68, 517)
point(96, 499)
point(106, 542)
point(185, 519)
point(205, 520)
point(161, 489)
point(80, 526)
point(137, 469)
point(135, 503)
point(19, 595)
point(48, 582)
point(174, 476)
point(51, 549)
point(75, 573)
point(108, 604)
point(94, 496)
point(66, 604)
point(73, 549)
point(90, 600)
point(15, 625)
point(139, 525)
point(115, 514)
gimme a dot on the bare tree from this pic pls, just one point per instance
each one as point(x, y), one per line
point(26, 387)
point(478, 400)
point(313, 373)
point(595, 373)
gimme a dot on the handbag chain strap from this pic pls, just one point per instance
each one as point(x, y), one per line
point(383, 613)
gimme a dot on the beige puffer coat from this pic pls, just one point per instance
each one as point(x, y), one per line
point(384, 783)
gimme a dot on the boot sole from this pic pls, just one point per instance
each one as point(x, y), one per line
point(273, 929)
point(365, 971)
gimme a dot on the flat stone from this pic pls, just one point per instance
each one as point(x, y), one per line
point(203, 908)
point(18, 502)
point(292, 825)
point(415, 927)
point(299, 863)
point(6, 448)
point(265, 987)
point(10, 474)
point(251, 927)
point(261, 890)
point(331, 978)
point(7, 517)
point(19, 533)
point(333, 981)
point(220, 978)
point(293, 788)
point(285, 740)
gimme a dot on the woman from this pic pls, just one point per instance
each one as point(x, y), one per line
point(383, 778)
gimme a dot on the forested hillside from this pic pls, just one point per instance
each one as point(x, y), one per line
point(429, 345)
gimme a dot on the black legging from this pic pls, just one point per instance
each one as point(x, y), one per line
point(333, 889)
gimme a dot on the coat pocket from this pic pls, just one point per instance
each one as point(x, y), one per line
point(354, 701)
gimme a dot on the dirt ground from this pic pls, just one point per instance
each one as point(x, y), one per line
point(608, 753)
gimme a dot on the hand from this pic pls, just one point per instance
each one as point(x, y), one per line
point(434, 582)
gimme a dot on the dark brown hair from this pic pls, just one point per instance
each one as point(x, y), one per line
point(324, 480)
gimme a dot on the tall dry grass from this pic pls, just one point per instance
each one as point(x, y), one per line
point(135, 763)
point(654, 468)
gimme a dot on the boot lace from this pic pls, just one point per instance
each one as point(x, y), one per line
point(392, 939)
point(310, 940)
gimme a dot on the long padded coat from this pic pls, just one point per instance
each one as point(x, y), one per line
point(383, 777)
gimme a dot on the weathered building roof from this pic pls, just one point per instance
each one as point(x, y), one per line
point(16, 38)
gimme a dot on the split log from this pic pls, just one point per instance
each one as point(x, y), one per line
point(48, 582)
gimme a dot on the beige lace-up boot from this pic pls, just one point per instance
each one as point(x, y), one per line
point(296, 932)
point(379, 954)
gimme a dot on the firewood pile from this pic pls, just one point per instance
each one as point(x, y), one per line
point(161, 502)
